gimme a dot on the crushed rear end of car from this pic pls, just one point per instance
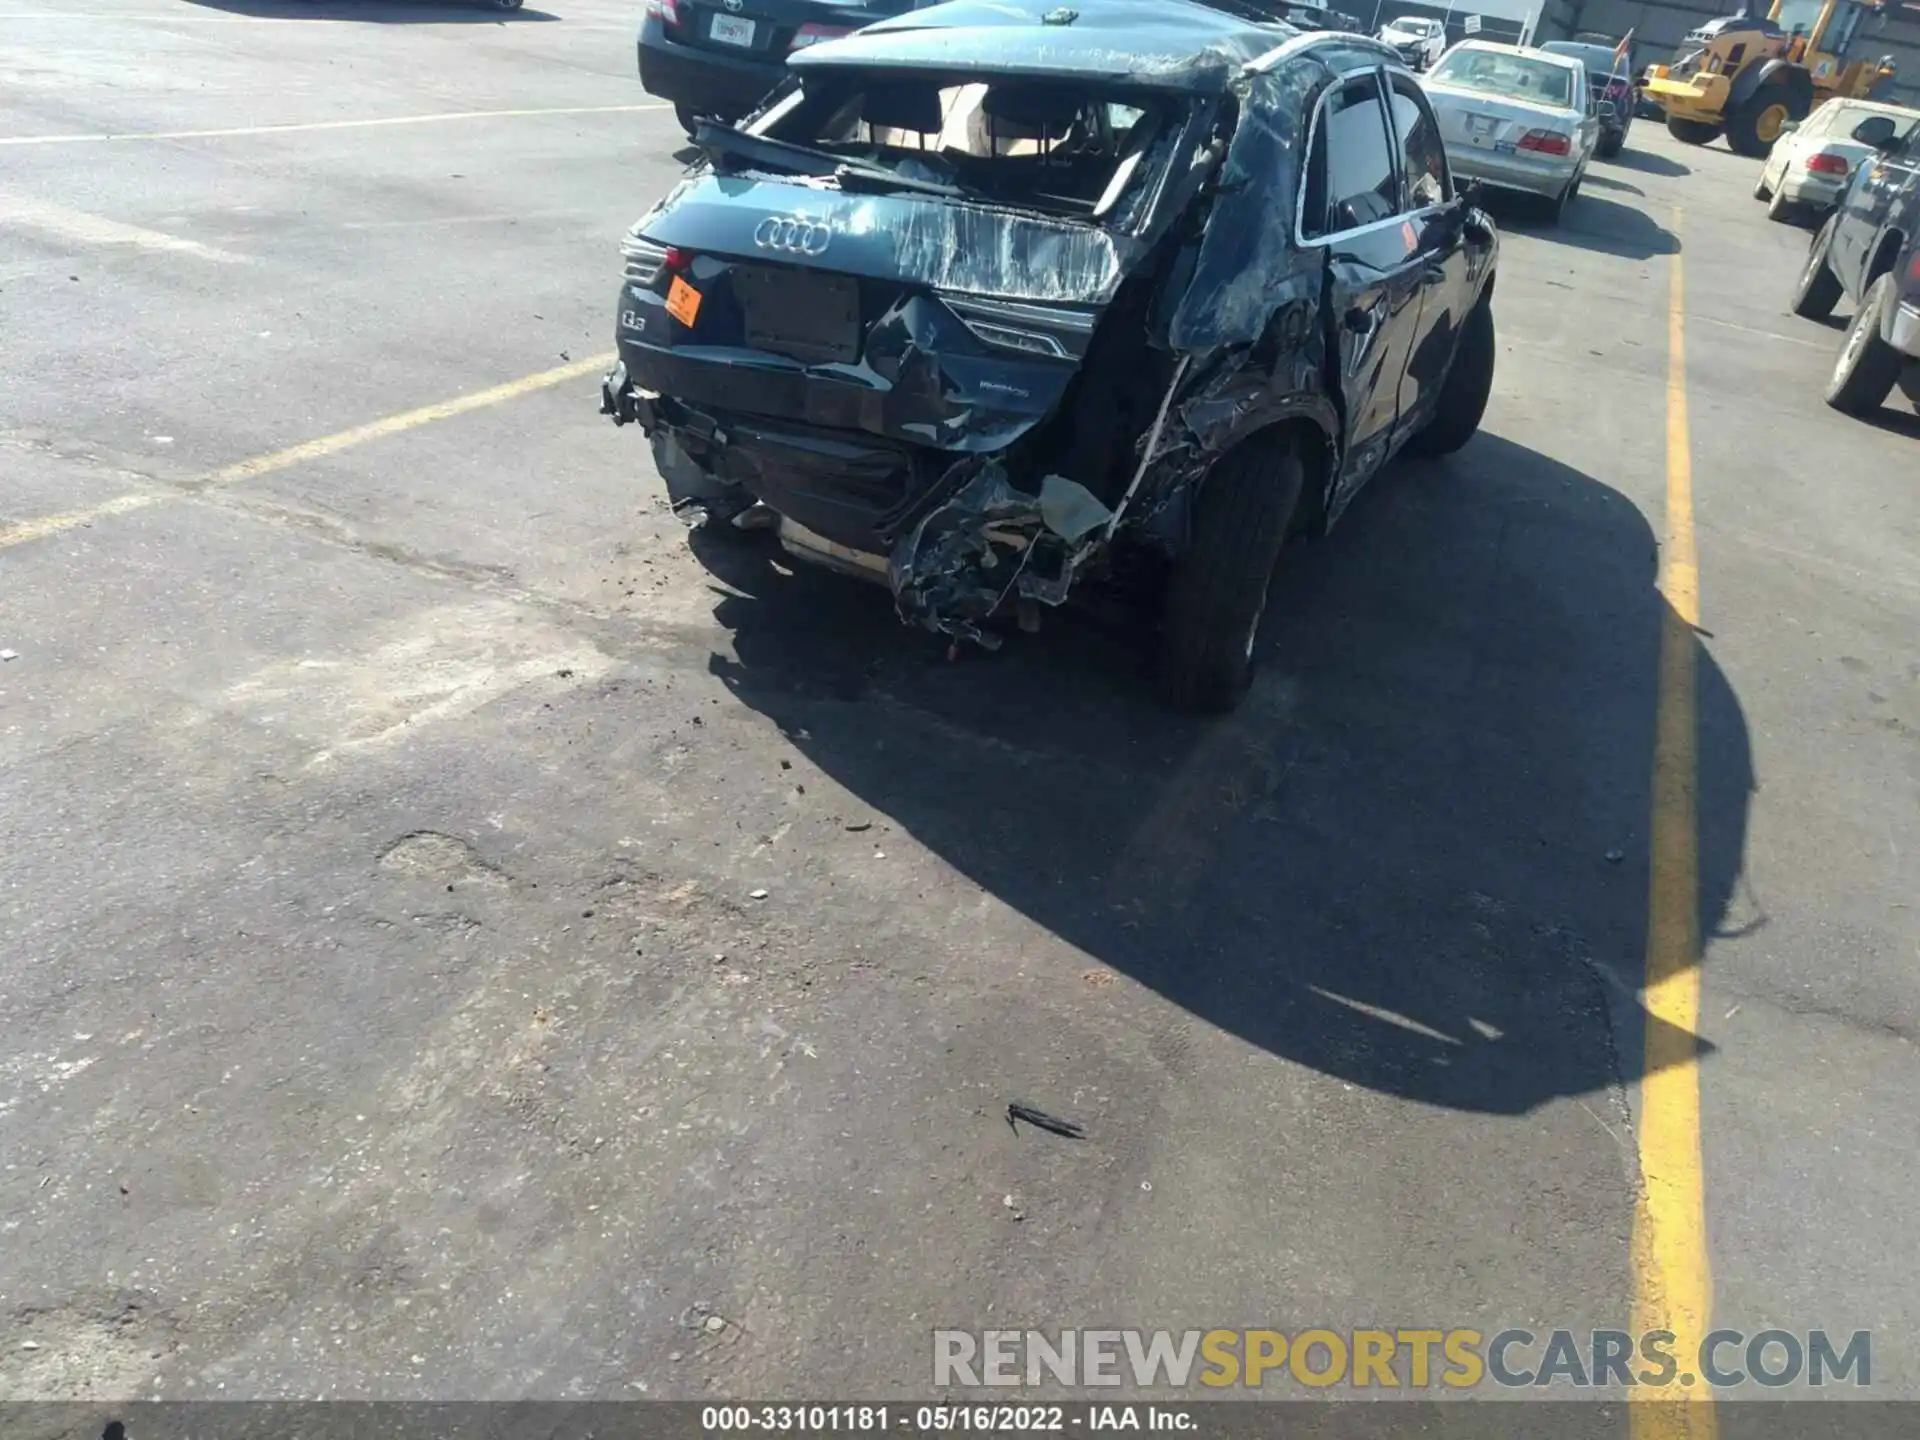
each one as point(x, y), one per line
point(915, 313)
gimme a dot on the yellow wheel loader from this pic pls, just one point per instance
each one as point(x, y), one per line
point(1745, 77)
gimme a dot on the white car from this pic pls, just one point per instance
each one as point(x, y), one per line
point(1811, 164)
point(1515, 119)
point(1419, 41)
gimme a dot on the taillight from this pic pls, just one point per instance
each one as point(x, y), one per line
point(1827, 163)
point(1546, 142)
point(1914, 269)
point(645, 261)
point(677, 261)
point(814, 34)
point(665, 11)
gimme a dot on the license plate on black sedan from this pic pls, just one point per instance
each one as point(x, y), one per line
point(731, 30)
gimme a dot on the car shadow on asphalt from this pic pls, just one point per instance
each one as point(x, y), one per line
point(1895, 421)
point(1648, 163)
point(1417, 857)
point(1607, 182)
point(1590, 222)
point(378, 12)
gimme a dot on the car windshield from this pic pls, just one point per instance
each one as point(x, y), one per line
point(1511, 76)
point(1422, 28)
point(1597, 58)
point(1052, 146)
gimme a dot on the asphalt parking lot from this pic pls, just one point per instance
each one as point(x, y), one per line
point(458, 940)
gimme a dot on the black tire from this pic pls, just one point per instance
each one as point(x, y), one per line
point(1867, 368)
point(687, 118)
point(1760, 191)
point(1555, 209)
point(1218, 591)
point(1744, 124)
point(507, 4)
point(1463, 394)
point(1610, 146)
point(1692, 132)
point(1783, 211)
point(1818, 289)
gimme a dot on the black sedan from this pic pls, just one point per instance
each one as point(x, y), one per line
point(1004, 299)
point(721, 57)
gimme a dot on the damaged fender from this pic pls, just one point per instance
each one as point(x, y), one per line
point(988, 542)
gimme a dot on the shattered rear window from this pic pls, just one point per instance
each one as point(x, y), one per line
point(1057, 148)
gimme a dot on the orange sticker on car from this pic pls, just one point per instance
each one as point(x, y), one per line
point(683, 302)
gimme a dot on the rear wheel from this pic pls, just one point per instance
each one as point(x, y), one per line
point(1818, 289)
point(1782, 210)
point(1760, 191)
point(1865, 373)
point(1692, 132)
point(1556, 205)
point(1219, 588)
point(687, 118)
point(1463, 394)
point(1611, 144)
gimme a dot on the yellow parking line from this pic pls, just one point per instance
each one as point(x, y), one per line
point(1672, 1284)
point(310, 125)
point(21, 533)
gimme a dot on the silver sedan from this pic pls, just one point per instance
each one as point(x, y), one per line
point(1517, 119)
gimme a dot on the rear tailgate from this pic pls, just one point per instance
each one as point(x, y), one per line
point(1471, 120)
point(926, 322)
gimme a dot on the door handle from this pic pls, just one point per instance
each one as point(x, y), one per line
point(1362, 322)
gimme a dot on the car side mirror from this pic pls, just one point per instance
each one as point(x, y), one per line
point(1878, 131)
point(1607, 111)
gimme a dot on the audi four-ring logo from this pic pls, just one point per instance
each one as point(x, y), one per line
point(795, 237)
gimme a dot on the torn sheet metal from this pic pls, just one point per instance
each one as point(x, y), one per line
point(1249, 255)
point(989, 542)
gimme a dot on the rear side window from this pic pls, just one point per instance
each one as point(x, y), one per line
point(1423, 158)
point(1354, 178)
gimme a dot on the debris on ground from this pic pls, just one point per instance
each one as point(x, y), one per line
point(1040, 1120)
point(756, 894)
point(859, 825)
point(9, 654)
point(1013, 1208)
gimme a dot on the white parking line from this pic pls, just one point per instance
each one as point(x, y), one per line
point(1827, 344)
point(310, 125)
point(76, 225)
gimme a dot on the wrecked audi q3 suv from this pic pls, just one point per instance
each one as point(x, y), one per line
point(994, 300)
